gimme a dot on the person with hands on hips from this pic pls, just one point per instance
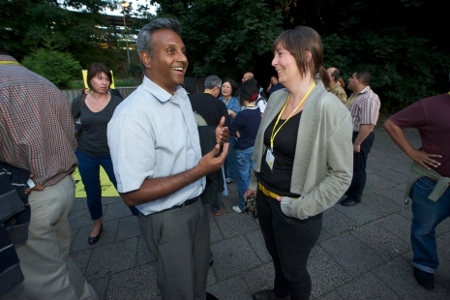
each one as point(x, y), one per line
point(429, 177)
point(303, 161)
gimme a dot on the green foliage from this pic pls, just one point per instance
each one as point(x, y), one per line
point(226, 41)
point(405, 65)
point(27, 25)
point(59, 68)
point(402, 42)
point(134, 70)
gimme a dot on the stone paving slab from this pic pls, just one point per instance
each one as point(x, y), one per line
point(363, 251)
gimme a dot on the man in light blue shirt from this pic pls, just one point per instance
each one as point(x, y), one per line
point(155, 149)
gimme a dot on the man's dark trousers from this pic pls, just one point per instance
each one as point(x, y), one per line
point(359, 167)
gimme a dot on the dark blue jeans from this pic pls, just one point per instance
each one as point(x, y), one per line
point(289, 241)
point(244, 165)
point(426, 216)
point(89, 168)
point(359, 167)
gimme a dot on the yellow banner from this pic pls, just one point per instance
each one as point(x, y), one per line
point(84, 72)
point(108, 189)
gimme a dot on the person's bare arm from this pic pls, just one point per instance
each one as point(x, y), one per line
point(232, 114)
point(421, 157)
point(364, 131)
point(156, 188)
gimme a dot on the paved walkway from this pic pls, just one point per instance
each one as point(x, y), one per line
point(363, 253)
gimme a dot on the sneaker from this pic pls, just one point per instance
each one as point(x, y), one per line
point(425, 279)
point(230, 180)
point(237, 209)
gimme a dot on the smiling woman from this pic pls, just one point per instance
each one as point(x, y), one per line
point(303, 161)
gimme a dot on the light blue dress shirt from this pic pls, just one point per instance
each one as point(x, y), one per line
point(153, 134)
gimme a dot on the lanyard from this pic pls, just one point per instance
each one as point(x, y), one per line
point(275, 132)
point(9, 62)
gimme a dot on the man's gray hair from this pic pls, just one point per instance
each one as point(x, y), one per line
point(212, 81)
point(144, 39)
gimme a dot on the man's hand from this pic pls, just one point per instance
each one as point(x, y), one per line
point(35, 188)
point(364, 131)
point(222, 132)
point(419, 156)
point(211, 162)
point(425, 159)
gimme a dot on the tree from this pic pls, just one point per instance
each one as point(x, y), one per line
point(226, 41)
point(408, 59)
point(59, 68)
point(28, 25)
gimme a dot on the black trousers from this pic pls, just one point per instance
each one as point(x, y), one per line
point(359, 167)
point(289, 241)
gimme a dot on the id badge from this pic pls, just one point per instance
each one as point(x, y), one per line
point(270, 159)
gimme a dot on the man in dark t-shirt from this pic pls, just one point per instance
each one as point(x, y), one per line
point(429, 178)
point(212, 110)
point(207, 105)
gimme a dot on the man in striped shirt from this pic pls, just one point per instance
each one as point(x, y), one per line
point(364, 106)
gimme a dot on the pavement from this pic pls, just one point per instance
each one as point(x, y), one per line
point(363, 252)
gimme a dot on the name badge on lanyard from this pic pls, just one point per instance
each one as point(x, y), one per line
point(270, 159)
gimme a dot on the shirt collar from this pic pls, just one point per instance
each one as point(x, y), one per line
point(159, 93)
point(363, 91)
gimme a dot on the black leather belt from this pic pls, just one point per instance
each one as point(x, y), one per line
point(185, 203)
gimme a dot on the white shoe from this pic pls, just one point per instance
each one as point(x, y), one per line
point(237, 209)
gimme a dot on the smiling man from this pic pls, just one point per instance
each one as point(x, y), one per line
point(155, 149)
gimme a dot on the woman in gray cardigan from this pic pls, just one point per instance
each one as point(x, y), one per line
point(303, 161)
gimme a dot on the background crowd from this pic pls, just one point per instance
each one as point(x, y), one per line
point(298, 151)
